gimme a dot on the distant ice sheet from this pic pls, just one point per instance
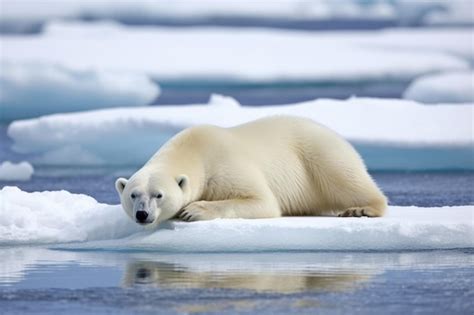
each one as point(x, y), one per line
point(21, 15)
point(450, 87)
point(390, 134)
point(246, 55)
point(16, 171)
point(62, 217)
point(34, 89)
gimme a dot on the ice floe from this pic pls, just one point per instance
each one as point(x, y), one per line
point(16, 171)
point(34, 89)
point(450, 87)
point(61, 217)
point(23, 15)
point(249, 55)
point(390, 134)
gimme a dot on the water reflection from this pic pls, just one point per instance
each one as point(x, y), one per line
point(247, 277)
point(264, 272)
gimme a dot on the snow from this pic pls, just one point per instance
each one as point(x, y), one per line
point(16, 171)
point(250, 55)
point(34, 89)
point(450, 87)
point(390, 134)
point(58, 216)
point(401, 11)
point(61, 217)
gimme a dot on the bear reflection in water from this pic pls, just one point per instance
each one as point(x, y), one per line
point(164, 274)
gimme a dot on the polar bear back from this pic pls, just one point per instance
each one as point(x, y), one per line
point(306, 165)
point(300, 166)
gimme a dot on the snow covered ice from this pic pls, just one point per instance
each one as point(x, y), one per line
point(16, 171)
point(246, 55)
point(426, 12)
point(34, 89)
point(57, 216)
point(390, 134)
point(60, 217)
point(450, 87)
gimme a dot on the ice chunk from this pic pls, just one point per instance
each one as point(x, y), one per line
point(61, 217)
point(16, 171)
point(390, 134)
point(450, 87)
point(32, 89)
point(221, 100)
point(248, 55)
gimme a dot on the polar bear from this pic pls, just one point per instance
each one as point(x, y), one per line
point(272, 167)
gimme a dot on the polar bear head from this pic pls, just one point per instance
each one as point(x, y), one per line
point(151, 199)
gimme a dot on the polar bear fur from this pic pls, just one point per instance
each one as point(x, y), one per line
point(272, 167)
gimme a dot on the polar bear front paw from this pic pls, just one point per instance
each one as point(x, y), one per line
point(197, 211)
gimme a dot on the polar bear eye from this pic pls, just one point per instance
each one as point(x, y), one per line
point(159, 196)
point(133, 196)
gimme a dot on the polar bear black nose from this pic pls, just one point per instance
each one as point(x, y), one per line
point(141, 216)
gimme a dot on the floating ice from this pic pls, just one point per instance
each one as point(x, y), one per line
point(390, 134)
point(12, 171)
point(451, 87)
point(62, 217)
point(21, 15)
point(32, 89)
point(249, 55)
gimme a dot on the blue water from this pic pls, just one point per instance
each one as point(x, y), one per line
point(53, 282)
point(275, 93)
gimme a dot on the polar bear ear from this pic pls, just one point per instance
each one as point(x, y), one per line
point(120, 184)
point(182, 181)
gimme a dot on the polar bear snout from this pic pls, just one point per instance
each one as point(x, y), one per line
point(141, 216)
point(144, 211)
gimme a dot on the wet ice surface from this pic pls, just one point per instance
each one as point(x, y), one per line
point(43, 281)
